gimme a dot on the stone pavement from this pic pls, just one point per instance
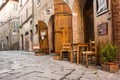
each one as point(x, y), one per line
point(20, 65)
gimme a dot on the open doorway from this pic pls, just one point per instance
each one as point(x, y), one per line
point(22, 41)
point(88, 21)
point(31, 40)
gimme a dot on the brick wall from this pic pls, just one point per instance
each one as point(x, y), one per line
point(116, 24)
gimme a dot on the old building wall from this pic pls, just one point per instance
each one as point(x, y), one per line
point(79, 24)
point(42, 12)
point(26, 23)
point(105, 20)
point(78, 28)
point(116, 24)
point(9, 26)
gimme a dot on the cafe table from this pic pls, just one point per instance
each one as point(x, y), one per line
point(79, 50)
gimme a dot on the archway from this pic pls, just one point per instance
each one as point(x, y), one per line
point(51, 34)
point(88, 16)
point(63, 24)
point(43, 36)
point(82, 13)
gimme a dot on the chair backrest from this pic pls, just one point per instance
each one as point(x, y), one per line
point(92, 46)
point(66, 46)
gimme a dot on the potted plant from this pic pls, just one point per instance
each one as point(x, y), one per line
point(109, 56)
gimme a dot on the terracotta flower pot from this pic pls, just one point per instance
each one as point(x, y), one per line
point(110, 67)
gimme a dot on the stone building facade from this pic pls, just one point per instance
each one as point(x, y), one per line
point(9, 22)
point(82, 20)
point(43, 16)
point(26, 22)
point(55, 22)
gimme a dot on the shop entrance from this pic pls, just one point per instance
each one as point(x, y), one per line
point(88, 21)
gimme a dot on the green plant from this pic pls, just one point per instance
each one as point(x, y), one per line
point(108, 53)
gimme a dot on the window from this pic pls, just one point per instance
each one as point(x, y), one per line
point(15, 7)
point(102, 6)
point(38, 2)
point(15, 24)
point(27, 13)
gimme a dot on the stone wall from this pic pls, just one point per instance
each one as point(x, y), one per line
point(9, 22)
point(26, 23)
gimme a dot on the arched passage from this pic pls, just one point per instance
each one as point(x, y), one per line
point(63, 24)
point(43, 36)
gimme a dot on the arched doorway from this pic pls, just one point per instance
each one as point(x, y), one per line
point(88, 17)
point(43, 36)
point(63, 24)
point(51, 34)
point(27, 41)
point(22, 42)
point(31, 40)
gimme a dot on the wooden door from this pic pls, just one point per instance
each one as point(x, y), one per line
point(63, 24)
point(27, 41)
point(22, 41)
point(43, 37)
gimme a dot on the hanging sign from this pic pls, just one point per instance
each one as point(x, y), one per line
point(43, 33)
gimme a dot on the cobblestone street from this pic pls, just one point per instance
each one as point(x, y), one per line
point(20, 65)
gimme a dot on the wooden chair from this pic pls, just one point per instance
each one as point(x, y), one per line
point(66, 51)
point(92, 53)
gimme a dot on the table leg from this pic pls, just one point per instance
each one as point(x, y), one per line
point(78, 58)
point(71, 57)
point(60, 55)
point(86, 60)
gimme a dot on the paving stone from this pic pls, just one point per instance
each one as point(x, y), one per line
point(21, 65)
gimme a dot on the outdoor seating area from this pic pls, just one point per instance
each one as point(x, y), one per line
point(79, 52)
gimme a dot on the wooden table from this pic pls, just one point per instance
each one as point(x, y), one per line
point(80, 46)
point(78, 50)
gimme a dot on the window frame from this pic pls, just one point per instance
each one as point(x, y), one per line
point(103, 11)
